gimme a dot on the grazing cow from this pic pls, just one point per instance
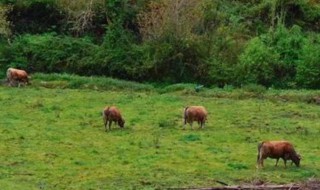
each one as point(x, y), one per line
point(277, 150)
point(17, 76)
point(195, 113)
point(111, 114)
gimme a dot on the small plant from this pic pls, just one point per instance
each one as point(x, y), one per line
point(166, 123)
point(163, 124)
point(156, 141)
point(238, 166)
point(191, 138)
point(255, 88)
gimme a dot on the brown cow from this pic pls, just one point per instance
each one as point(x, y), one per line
point(111, 114)
point(195, 113)
point(17, 76)
point(277, 150)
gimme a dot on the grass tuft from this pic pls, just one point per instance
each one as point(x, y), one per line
point(191, 138)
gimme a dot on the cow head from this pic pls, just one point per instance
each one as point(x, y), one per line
point(296, 159)
point(121, 123)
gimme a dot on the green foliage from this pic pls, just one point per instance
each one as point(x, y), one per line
point(308, 69)
point(177, 60)
point(257, 63)
point(51, 53)
point(95, 83)
point(5, 30)
point(36, 17)
point(223, 40)
point(211, 42)
point(177, 87)
point(124, 58)
point(268, 13)
point(271, 59)
point(238, 166)
point(190, 138)
point(221, 73)
point(288, 44)
point(255, 88)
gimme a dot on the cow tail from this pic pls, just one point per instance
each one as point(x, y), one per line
point(185, 115)
point(107, 112)
point(8, 75)
point(105, 116)
point(259, 148)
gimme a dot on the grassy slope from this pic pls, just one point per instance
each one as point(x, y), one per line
point(54, 139)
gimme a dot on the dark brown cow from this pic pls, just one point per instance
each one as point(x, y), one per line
point(277, 150)
point(17, 76)
point(112, 114)
point(195, 113)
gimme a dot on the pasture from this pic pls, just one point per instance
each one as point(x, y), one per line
point(54, 138)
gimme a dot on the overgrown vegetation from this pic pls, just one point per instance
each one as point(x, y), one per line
point(213, 42)
point(66, 81)
point(53, 138)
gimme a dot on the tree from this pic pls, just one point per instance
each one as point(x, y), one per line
point(308, 68)
point(80, 13)
point(5, 30)
point(178, 18)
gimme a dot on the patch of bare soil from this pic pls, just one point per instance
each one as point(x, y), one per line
point(312, 184)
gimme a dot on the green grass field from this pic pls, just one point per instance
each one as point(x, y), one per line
point(54, 138)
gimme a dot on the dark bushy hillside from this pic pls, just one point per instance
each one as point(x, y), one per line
point(274, 43)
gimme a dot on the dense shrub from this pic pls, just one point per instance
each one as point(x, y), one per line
point(121, 57)
point(272, 58)
point(36, 17)
point(308, 69)
point(221, 73)
point(177, 60)
point(210, 42)
point(257, 63)
point(75, 81)
point(51, 53)
point(288, 44)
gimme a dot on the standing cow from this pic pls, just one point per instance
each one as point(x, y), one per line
point(112, 114)
point(15, 76)
point(277, 150)
point(195, 113)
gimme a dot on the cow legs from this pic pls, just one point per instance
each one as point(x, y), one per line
point(260, 162)
point(258, 156)
point(202, 124)
point(110, 122)
point(14, 83)
point(277, 162)
point(105, 124)
point(285, 162)
point(9, 82)
point(260, 159)
point(184, 123)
